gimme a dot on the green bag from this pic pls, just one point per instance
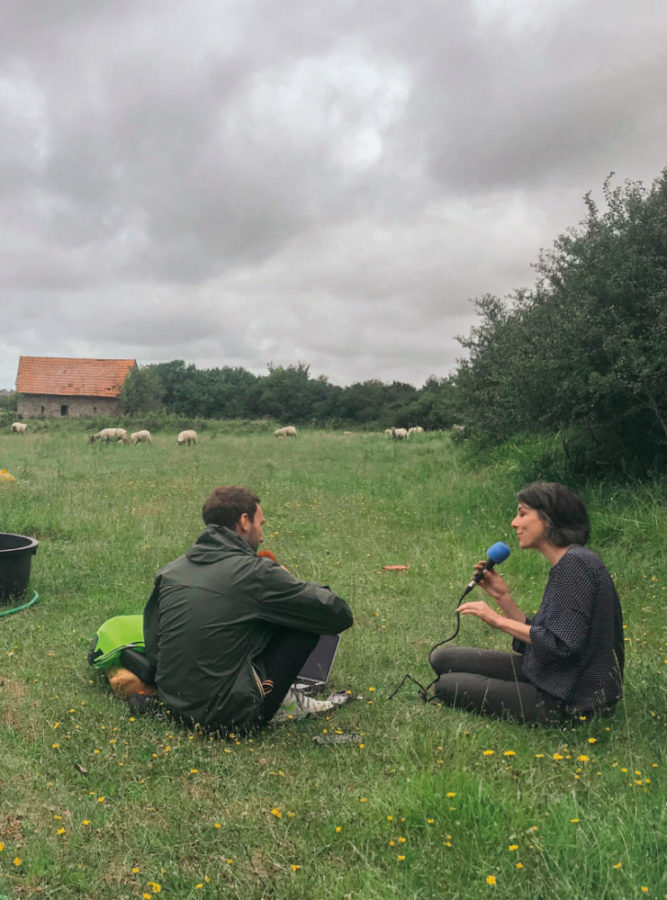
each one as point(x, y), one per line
point(114, 636)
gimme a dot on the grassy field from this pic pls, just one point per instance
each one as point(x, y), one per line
point(434, 803)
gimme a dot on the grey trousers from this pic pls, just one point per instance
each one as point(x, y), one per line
point(491, 683)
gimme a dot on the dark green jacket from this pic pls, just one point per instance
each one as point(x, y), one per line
point(210, 616)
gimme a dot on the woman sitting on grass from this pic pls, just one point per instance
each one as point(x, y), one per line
point(568, 659)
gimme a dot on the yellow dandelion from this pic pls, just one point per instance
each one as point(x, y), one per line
point(539, 756)
point(276, 812)
point(55, 746)
point(194, 771)
point(592, 740)
point(217, 825)
point(488, 753)
point(402, 840)
point(338, 829)
point(363, 800)
point(371, 689)
point(430, 821)
point(230, 861)
point(134, 870)
point(644, 889)
point(392, 843)
point(490, 879)
point(56, 816)
point(582, 757)
point(199, 886)
point(17, 860)
point(2, 846)
point(574, 821)
point(513, 847)
point(400, 857)
point(451, 794)
point(558, 756)
point(60, 831)
point(390, 818)
point(100, 799)
point(617, 865)
point(295, 868)
point(509, 753)
point(519, 865)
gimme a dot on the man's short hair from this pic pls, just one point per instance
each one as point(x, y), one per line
point(227, 504)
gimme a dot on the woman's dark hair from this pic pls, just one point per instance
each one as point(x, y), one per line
point(227, 504)
point(565, 514)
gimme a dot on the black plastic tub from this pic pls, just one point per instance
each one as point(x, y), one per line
point(16, 553)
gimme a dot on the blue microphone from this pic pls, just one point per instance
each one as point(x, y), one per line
point(496, 553)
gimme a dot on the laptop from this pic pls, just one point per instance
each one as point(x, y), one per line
point(315, 672)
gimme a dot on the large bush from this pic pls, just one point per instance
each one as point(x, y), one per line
point(584, 351)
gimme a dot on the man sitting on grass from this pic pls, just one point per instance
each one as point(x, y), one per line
point(227, 631)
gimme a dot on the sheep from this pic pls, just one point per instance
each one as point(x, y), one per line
point(110, 434)
point(19, 428)
point(287, 431)
point(400, 434)
point(416, 429)
point(388, 432)
point(141, 437)
point(187, 437)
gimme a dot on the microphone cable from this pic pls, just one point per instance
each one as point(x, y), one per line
point(423, 691)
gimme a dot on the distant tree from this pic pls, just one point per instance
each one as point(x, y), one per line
point(289, 395)
point(142, 390)
point(8, 401)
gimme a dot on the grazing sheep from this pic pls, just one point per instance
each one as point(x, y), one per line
point(399, 434)
point(110, 434)
point(416, 429)
point(19, 428)
point(141, 437)
point(187, 437)
point(287, 431)
point(388, 432)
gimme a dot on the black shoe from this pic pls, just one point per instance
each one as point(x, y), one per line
point(146, 705)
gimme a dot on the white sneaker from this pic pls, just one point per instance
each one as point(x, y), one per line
point(298, 705)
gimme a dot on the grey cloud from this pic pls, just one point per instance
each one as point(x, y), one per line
point(328, 183)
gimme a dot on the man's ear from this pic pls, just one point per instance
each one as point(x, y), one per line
point(241, 526)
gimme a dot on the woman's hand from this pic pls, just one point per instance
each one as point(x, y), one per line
point(492, 583)
point(483, 611)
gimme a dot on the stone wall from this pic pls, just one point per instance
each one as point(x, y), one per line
point(45, 406)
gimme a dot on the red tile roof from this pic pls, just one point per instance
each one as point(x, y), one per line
point(72, 377)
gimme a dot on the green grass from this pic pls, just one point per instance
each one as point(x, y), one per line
point(423, 809)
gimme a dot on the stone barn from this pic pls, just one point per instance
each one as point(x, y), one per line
point(51, 386)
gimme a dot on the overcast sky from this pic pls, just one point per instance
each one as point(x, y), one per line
point(238, 182)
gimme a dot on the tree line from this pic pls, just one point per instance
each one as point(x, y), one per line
point(288, 394)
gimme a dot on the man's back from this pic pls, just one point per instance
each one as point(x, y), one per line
point(211, 615)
